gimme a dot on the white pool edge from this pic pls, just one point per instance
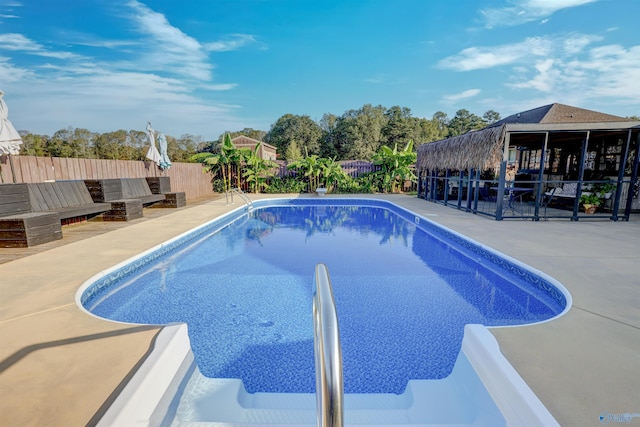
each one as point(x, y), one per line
point(147, 398)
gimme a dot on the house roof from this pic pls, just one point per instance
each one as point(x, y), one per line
point(558, 114)
point(245, 140)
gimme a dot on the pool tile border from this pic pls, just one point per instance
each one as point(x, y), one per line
point(537, 279)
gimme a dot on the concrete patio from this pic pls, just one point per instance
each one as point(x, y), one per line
point(62, 367)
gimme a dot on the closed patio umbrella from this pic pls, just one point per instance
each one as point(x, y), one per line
point(165, 162)
point(152, 153)
point(10, 140)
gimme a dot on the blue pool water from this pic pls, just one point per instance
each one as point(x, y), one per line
point(404, 290)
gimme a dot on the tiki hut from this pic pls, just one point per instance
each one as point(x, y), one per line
point(516, 167)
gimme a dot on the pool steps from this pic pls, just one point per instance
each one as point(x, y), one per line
point(482, 390)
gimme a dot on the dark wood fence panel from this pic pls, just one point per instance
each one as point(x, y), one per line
point(187, 177)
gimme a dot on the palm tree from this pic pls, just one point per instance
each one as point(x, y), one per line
point(257, 170)
point(221, 163)
point(332, 173)
point(394, 166)
point(311, 168)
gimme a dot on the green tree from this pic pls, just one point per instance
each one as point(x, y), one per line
point(331, 174)
point(221, 165)
point(293, 153)
point(311, 169)
point(112, 145)
point(359, 132)
point(181, 150)
point(490, 117)
point(398, 125)
point(290, 128)
point(441, 122)
point(34, 145)
point(257, 170)
point(328, 141)
point(463, 122)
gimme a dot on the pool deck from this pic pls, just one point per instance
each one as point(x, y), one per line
point(62, 367)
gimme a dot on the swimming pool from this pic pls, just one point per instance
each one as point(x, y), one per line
point(243, 285)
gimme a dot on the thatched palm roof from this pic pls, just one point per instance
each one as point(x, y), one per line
point(481, 149)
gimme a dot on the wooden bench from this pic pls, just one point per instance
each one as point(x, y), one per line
point(162, 185)
point(69, 199)
point(19, 226)
point(128, 189)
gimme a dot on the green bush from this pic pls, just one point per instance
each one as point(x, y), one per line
point(288, 184)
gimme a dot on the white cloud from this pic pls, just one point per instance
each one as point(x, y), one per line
point(475, 58)
point(576, 43)
point(101, 100)
point(529, 51)
point(157, 79)
point(9, 73)
point(18, 42)
point(462, 95)
point(522, 11)
point(604, 72)
point(234, 42)
point(167, 47)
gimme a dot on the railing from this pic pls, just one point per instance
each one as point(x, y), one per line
point(328, 354)
point(229, 195)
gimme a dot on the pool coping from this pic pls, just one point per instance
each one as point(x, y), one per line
point(531, 276)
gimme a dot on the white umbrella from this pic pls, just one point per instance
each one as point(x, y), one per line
point(165, 163)
point(10, 139)
point(153, 153)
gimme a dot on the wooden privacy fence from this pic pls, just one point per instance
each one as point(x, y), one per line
point(187, 177)
point(353, 168)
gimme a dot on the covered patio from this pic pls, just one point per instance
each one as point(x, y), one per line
point(544, 163)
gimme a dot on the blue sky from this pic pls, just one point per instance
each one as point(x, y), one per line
point(203, 67)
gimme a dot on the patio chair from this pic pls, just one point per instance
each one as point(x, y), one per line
point(547, 197)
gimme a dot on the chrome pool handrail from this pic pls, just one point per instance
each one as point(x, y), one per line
point(328, 354)
point(240, 194)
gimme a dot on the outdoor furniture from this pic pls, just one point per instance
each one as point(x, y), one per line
point(162, 185)
point(32, 214)
point(514, 198)
point(565, 196)
point(19, 226)
point(547, 198)
point(69, 199)
point(125, 190)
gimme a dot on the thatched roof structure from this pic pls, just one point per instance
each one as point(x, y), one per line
point(484, 149)
point(481, 149)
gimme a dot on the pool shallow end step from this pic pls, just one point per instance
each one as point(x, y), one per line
point(494, 394)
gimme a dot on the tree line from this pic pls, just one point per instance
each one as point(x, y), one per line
point(119, 145)
point(357, 134)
